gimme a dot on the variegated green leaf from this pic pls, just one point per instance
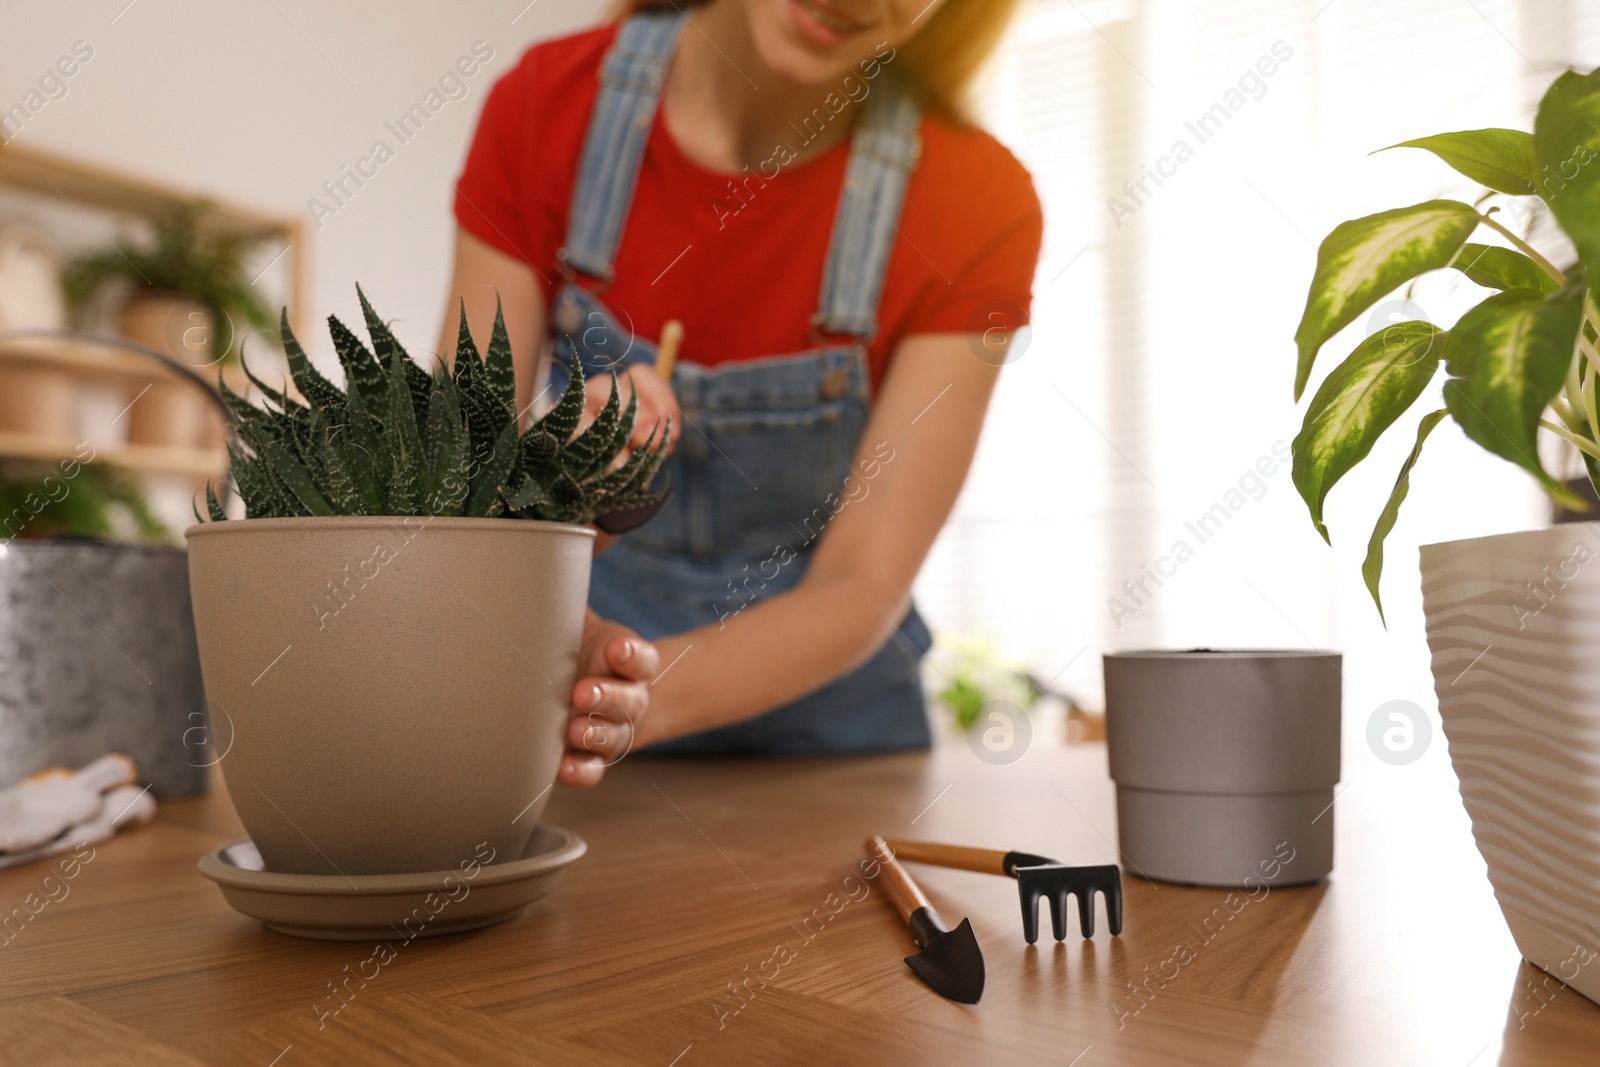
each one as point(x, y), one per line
point(1363, 260)
point(529, 494)
point(403, 425)
point(1500, 159)
point(1566, 141)
point(493, 473)
point(560, 421)
point(366, 452)
point(213, 507)
point(362, 372)
point(293, 474)
point(498, 369)
point(447, 450)
point(594, 444)
point(343, 493)
point(1507, 358)
point(1357, 402)
point(1372, 566)
point(322, 393)
point(1502, 268)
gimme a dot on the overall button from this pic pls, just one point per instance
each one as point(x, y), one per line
point(835, 383)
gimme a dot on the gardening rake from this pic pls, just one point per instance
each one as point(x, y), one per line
point(1037, 876)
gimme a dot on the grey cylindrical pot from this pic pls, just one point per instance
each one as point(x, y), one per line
point(97, 655)
point(1225, 763)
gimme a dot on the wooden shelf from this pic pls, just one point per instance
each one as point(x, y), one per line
point(85, 184)
point(85, 358)
point(90, 185)
point(151, 459)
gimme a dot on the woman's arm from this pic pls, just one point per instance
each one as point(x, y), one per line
point(919, 444)
point(481, 272)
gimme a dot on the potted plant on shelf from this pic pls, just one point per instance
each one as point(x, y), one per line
point(191, 298)
point(1511, 619)
point(393, 630)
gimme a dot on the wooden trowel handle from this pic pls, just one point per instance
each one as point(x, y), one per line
point(667, 349)
point(982, 860)
point(905, 893)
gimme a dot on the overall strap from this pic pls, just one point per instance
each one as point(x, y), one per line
point(631, 77)
point(883, 152)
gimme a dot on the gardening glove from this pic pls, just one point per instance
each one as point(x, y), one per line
point(37, 809)
point(125, 805)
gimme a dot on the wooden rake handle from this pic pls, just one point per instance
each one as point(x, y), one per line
point(982, 860)
point(906, 894)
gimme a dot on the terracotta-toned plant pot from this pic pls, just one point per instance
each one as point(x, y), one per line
point(38, 401)
point(172, 411)
point(398, 688)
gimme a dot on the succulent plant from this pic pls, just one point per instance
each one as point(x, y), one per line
point(400, 441)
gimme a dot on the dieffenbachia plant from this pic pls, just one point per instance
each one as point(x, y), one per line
point(1522, 360)
point(400, 441)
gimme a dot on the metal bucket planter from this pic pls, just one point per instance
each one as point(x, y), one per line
point(97, 654)
point(1225, 763)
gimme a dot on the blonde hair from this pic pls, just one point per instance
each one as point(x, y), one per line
point(943, 57)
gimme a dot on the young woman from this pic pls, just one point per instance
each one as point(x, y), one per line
point(796, 182)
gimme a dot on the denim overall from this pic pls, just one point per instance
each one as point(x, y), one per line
point(767, 442)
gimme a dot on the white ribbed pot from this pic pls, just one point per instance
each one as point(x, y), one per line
point(1514, 626)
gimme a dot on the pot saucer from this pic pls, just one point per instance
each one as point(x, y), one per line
point(385, 907)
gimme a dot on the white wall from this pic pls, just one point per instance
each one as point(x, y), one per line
point(263, 101)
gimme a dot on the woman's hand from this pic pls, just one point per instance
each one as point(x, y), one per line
point(656, 403)
point(615, 667)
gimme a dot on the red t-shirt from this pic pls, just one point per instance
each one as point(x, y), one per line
point(750, 280)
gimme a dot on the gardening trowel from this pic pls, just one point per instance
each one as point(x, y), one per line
point(950, 962)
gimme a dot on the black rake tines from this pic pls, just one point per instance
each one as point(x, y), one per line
point(1040, 876)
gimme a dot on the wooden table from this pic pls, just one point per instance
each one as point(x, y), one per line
point(700, 870)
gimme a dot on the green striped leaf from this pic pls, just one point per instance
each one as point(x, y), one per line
point(322, 393)
point(343, 492)
point(560, 421)
point(1357, 402)
point(366, 452)
point(406, 446)
point(213, 508)
point(494, 472)
point(1502, 268)
point(1372, 566)
point(1566, 141)
point(295, 477)
point(362, 372)
point(1507, 358)
point(1365, 259)
point(594, 447)
point(447, 449)
point(498, 370)
point(1500, 159)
